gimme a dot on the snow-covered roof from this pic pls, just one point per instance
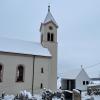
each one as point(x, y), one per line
point(49, 18)
point(72, 74)
point(22, 47)
point(93, 72)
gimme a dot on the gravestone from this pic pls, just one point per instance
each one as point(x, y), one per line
point(76, 94)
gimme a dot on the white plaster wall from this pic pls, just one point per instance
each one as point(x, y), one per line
point(52, 47)
point(79, 80)
point(41, 62)
point(53, 69)
point(10, 63)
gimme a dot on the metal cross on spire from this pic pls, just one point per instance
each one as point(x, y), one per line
point(49, 5)
point(49, 8)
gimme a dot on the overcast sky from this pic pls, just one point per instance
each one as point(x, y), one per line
point(78, 33)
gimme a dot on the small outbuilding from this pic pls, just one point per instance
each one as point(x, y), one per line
point(75, 79)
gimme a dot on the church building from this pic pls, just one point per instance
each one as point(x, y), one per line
point(27, 65)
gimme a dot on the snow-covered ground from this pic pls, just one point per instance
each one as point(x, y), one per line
point(87, 97)
point(38, 96)
point(8, 97)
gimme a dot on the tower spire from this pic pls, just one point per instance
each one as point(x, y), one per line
point(49, 17)
point(82, 66)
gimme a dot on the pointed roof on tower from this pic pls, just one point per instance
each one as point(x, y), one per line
point(50, 18)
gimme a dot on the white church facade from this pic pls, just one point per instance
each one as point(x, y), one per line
point(27, 65)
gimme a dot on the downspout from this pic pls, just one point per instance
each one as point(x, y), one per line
point(33, 74)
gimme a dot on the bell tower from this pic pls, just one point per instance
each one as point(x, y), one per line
point(48, 31)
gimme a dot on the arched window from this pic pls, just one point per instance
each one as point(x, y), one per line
point(48, 36)
point(1, 73)
point(41, 38)
point(41, 86)
point(52, 37)
point(42, 71)
point(83, 82)
point(20, 74)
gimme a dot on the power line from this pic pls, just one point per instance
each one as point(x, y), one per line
point(92, 65)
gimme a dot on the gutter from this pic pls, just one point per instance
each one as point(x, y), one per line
point(33, 75)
